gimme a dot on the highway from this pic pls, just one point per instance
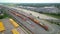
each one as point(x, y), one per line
point(37, 14)
point(27, 21)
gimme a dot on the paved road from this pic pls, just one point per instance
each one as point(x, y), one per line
point(41, 16)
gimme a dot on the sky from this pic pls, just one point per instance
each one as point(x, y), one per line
point(29, 1)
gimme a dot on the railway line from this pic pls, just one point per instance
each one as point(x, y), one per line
point(25, 23)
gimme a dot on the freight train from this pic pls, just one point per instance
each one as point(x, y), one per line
point(31, 18)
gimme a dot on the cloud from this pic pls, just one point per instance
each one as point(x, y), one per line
point(30, 1)
point(10, 1)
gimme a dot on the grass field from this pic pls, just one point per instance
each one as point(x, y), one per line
point(53, 15)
